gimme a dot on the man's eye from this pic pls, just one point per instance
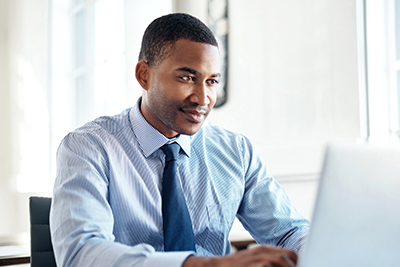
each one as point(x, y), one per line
point(188, 78)
point(213, 81)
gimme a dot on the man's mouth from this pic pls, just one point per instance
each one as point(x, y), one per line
point(195, 114)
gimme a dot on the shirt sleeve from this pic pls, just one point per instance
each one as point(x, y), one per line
point(81, 219)
point(266, 211)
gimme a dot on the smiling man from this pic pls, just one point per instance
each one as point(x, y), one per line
point(158, 185)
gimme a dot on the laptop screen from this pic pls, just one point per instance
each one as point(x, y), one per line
point(356, 219)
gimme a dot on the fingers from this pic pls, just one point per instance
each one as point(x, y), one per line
point(280, 251)
point(262, 256)
point(268, 256)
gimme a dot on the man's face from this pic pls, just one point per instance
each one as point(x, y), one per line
point(181, 90)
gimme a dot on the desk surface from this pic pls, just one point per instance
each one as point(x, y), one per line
point(242, 244)
point(14, 260)
point(241, 239)
point(14, 250)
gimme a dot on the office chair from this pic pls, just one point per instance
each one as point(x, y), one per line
point(42, 254)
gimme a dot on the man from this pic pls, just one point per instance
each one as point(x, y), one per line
point(108, 203)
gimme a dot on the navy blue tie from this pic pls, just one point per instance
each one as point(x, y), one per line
point(178, 232)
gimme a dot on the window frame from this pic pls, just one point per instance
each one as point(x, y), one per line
point(379, 84)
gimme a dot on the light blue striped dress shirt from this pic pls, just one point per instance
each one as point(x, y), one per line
point(106, 208)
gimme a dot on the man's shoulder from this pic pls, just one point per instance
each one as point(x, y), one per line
point(219, 145)
point(212, 130)
point(109, 124)
point(101, 128)
point(218, 135)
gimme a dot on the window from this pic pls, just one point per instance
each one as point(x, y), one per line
point(88, 65)
point(382, 29)
point(394, 39)
point(99, 58)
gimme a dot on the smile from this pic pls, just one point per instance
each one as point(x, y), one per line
point(194, 115)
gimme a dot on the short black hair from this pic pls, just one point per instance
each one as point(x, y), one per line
point(164, 31)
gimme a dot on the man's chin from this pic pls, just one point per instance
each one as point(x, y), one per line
point(192, 129)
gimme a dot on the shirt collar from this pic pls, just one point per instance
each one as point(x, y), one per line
point(149, 138)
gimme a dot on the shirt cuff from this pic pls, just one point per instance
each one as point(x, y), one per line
point(167, 259)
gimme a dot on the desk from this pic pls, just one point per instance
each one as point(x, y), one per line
point(14, 250)
point(242, 244)
point(241, 240)
point(15, 260)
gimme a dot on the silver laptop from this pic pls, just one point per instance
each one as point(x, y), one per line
point(356, 220)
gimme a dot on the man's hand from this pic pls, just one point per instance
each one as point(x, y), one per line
point(262, 256)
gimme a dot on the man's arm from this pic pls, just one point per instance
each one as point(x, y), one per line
point(266, 211)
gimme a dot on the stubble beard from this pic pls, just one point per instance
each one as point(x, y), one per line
point(171, 114)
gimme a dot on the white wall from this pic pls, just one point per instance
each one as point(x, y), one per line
point(23, 78)
point(6, 199)
point(293, 79)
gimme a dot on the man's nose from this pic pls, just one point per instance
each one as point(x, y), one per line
point(200, 95)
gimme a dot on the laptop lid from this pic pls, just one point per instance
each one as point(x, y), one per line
point(356, 219)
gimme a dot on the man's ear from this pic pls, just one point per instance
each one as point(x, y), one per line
point(142, 73)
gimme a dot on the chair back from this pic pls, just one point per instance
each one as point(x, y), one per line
point(42, 254)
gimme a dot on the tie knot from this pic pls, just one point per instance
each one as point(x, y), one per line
point(171, 151)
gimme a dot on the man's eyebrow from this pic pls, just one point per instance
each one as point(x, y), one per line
point(194, 72)
point(186, 69)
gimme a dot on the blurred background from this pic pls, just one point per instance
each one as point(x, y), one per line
point(300, 74)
